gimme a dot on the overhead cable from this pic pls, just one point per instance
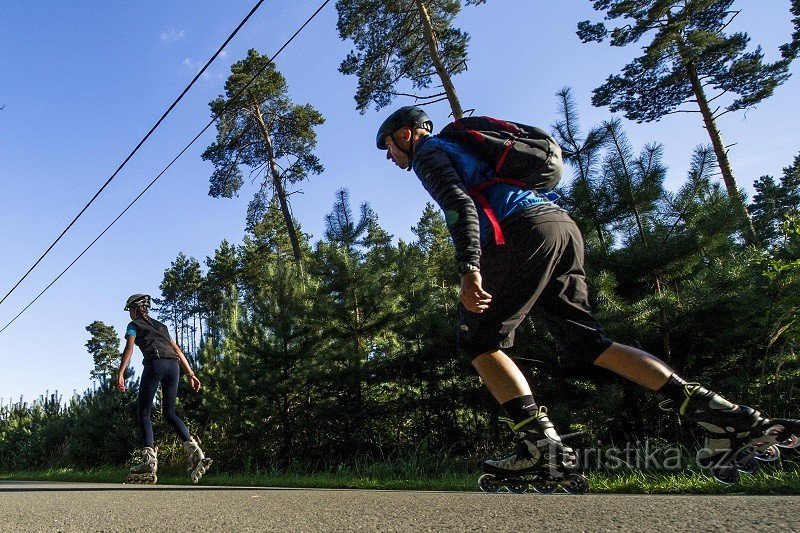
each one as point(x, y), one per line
point(196, 137)
point(136, 149)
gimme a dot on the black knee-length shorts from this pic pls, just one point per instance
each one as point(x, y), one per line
point(541, 265)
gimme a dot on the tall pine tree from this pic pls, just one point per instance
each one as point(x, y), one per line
point(691, 59)
point(264, 131)
point(403, 39)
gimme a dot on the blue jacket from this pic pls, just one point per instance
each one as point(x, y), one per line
point(448, 171)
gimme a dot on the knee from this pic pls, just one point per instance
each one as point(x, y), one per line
point(169, 413)
point(586, 348)
point(468, 348)
point(471, 343)
point(144, 413)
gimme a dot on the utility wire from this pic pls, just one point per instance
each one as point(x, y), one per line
point(210, 123)
point(136, 149)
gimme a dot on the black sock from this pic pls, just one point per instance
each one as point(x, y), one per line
point(674, 389)
point(521, 408)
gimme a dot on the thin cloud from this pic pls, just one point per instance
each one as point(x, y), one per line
point(193, 66)
point(172, 35)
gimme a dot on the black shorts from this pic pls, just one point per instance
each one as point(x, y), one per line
point(541, 265)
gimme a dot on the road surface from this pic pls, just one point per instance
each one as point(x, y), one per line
point(48, 506)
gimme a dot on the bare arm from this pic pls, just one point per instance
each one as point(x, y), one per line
point(123, 364)
point(185, 365)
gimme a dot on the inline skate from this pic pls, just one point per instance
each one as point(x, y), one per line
point(198, 463)
point(739, 438)
point(540, 461)
point(145, 471)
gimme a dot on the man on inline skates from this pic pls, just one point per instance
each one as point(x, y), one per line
point(517, 250)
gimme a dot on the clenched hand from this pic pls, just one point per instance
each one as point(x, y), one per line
point(473, 296)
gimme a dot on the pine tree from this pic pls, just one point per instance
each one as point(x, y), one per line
point(218, 286)
point(774, 202)
point(790, 50)
point(104, 349)
point(180, 302)
point(264, 131)
point(403, 39)
point(688, 57)
point(353, 307)
point(587, 197)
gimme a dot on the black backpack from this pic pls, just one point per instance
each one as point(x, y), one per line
point(521, 155)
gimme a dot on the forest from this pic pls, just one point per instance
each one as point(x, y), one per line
point(320, 353)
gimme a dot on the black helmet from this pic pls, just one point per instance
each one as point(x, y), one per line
point(410, 115)
point(137, 300)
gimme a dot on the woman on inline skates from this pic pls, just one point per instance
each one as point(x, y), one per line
point(163, 360)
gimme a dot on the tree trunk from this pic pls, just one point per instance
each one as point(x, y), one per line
point(357, 352)
point(666, 346)
point(430, 37)
point(746, 223)
point(278, 186)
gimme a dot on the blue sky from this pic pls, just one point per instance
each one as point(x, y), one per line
point(83, 81)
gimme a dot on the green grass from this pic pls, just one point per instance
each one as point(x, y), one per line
point(690, 482)
point(632, 482)
point(343, 480)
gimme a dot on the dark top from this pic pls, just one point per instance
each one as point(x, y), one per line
point(153, 340)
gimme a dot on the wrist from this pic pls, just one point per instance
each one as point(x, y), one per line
point(467, 267)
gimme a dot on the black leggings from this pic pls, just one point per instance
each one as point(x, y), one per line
point(167, 373)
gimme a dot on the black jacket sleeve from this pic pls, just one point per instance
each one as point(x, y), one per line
point(435, 170)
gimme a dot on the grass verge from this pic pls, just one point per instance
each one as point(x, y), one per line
point(633, 482)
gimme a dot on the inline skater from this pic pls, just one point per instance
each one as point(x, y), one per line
point(163, 360)
point(517, 250)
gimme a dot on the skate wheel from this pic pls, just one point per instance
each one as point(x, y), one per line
point(517, 487)
point(575, 484)
point(778, 431)
point(727, 475)
point(750, 467)
point(488, 483)
point(544, 488)
point(771, 453)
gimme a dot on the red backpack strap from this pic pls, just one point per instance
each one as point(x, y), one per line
point(477, 193)
point(498, 231)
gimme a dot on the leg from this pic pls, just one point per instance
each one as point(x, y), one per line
point(148, 385)
point(169, 388)
point(145, 470)
point(565, 304)
point(507, 384)
point(515, 275)
point(197, 461)
point(636, 365)
point(736, 434)
point(501, 376)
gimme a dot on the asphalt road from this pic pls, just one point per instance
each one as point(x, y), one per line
point(37, 506)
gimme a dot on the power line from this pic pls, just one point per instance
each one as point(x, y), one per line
point(202, 131)
point(136, 149)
